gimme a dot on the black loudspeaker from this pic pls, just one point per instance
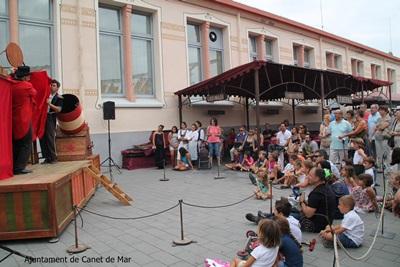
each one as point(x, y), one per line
point(109, 110)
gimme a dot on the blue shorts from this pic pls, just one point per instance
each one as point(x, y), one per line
point(213, 149)
point(347, 242)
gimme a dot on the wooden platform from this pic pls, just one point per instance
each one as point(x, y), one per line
point(40, 204)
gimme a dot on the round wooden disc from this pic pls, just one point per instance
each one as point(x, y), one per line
point(14, 55)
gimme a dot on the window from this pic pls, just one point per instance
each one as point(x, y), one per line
point(110, 51)
point(333, 61)
point(194, 49)
point(253, 48)
point(36, 33)
point(376, 72)
point(269, 50)
point(357, 67)
point(3, 30)
point(216, 50)
point(307, 57)
point(296, 49)
point(391, 74)
point(142, 54)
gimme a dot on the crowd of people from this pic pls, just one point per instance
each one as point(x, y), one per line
point(332, 174)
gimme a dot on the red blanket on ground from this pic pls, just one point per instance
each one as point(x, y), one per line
point(6, 156)
point(41, 82)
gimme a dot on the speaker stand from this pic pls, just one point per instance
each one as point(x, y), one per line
point(109, 159)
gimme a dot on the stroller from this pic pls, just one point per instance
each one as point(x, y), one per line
point(203, 160)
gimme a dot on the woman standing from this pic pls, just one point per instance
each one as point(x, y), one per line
point(193, 142)
point(173, 144)
point(395, 129)
point(214, 140)
point(159, 146)
point(382, 135)
point(183, 137)
point(324, 133)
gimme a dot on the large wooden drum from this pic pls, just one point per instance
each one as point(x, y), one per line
point(70, 119)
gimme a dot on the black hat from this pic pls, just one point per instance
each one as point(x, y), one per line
point(22, 71)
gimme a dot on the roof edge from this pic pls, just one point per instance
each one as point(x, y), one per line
point(305, 27)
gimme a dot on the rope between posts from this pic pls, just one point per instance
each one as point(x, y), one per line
point(217, 207)
point(373, 241)
point(128, 218)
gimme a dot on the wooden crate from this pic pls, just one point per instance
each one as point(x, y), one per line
point(40, 204)
point(73, 146)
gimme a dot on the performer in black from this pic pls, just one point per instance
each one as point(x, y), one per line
point(159, 145)
point(47, 143)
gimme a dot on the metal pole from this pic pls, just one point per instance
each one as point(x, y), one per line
point(293, 113)
point(183, 241)
point(109, 151)
point(180, 109)
point(257, 95)
point(76, 248)
point(390, 96)
point(322, 94)
point(362, 93)
point(247, 114)
point(270, 200)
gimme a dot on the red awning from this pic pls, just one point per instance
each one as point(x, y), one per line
point(277, 79)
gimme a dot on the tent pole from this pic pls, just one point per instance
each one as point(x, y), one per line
point(247, 114)
point(293, 113)
point(322, 94)
point(257, 95)
point(180, 109)
point(362, 93)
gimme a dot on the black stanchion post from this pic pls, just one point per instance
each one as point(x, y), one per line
point(386, 235)
point(77, 248)
point(270, 200)
point(219, 176)
point(183, 241)
point(164, 179)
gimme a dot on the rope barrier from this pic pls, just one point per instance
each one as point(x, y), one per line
point(373, 241)
point(220, 206)
point(128, 218)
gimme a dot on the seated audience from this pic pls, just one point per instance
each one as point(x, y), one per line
point(290, 253)
point(321, 201)
point(262, 190)
point(351, 231)
point(363, 194)
point(266, 253)
point(369, 168)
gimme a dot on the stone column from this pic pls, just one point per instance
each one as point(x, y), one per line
point(127, 48)
point(13, 16)
point(261, 50)
point(300, 53)
point(204, 28)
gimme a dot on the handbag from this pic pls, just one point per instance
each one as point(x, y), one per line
point(391, 142)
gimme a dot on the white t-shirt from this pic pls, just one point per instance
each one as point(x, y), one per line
point(357, 158)
point(355, 227)
point(283, 137)
point(371, 172)
point(265, 257)
point(294, 225)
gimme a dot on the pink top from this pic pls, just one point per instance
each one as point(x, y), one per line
point(213, 131)
point(248, 162)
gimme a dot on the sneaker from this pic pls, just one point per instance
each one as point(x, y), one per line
point(252, 218)
point(264, 215)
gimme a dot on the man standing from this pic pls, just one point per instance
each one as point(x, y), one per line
point(47, 143)
point(23, 103)
point(337, 129)
point(283, 140)
point(373, 119)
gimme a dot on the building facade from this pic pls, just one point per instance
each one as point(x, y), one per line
point(137, 53)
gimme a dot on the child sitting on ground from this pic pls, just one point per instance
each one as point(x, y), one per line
point(347, 173)
point(363, 194)
point(351, 231)
point(266, 253)
point(258, 166)
point(369, 168)
point(235, 165)
point(272, 165)
point(359, 155)
point(247, 162)
point(393, 202)
point(262, 190)
point(185, 162)
point(290, 178)
point(303, 182)
point(290, 253)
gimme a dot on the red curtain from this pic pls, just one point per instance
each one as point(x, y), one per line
point(6, 156)
point(41, 82)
